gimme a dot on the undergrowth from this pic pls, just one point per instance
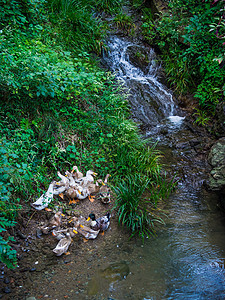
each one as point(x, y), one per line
point(190, 36)
point(59, 109)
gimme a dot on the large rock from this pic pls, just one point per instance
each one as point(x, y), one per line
point(216, 159)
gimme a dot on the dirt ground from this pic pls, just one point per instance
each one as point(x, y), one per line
point(40, 273)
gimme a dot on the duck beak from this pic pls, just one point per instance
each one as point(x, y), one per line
point(79, 192)
point(75, 231)
point(95, 173)
point(103, 183)
point(88, 219)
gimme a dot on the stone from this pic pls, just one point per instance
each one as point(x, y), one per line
point(21, 235)
point(216, 159)
point(217, 153)
point(31, 298)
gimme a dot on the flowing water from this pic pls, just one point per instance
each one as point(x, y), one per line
point(187, 259)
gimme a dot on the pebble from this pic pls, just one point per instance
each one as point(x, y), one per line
point(7, 290)
point(7, 280)
point(21, 235)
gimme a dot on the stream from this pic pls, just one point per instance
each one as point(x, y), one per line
point(187, 258)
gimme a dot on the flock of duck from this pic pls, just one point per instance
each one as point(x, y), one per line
point(75, 186)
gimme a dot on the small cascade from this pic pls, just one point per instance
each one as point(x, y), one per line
point(152, 103)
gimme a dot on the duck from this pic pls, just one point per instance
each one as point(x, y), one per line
point(63, 245)
point(64, 180)
point(71, 179)
point(54, 222)
point(105, 191)
point(76, 221)
point(88, 178)
point(59, 189)
point(73, 193)
point(45, 198)
point(60, 234)
point(84, 193)
point(87, 232)
point(102, 223)
point(93, 188)
point(77, 174)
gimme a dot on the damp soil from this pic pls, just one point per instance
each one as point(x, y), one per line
point(41, 274)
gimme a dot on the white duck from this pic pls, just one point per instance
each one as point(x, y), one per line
point(84, 181)
point(64, 180)
point(45, 198)
point(72, 182)
point(77, 174)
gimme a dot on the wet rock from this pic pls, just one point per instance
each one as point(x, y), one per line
point(21, 235)
point(217, 153)
point(183, 145)
point(194, 142)
point(216, 159)
point(139, 57)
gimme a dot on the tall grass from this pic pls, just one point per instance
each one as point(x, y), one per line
point(134, 208)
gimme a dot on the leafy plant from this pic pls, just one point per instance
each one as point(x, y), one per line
point(133, 206)
point(124, 22)
point(7, 254)
point(190, 36)
point(202, 117)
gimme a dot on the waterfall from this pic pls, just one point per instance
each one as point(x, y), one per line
point(152, 103)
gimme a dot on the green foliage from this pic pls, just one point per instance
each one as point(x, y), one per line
point(202, 117)
point(7, 254)
point(59, 109)
point(76, 26)
point(21, 13)
point(109, 6)
point(124, 22)
point(190, 36)
point(134, 207)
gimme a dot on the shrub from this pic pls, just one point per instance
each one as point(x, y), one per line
point(191, 39)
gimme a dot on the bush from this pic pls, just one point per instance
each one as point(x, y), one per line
point(191, 42)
